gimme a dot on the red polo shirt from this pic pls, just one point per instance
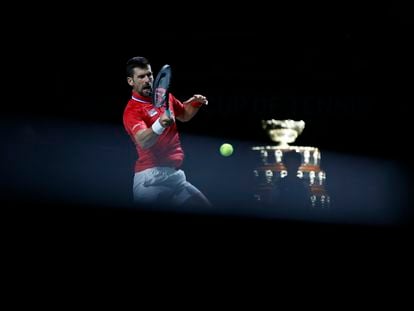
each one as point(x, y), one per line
point(140, 114)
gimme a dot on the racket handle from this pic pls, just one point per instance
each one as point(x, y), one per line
point(167, 104)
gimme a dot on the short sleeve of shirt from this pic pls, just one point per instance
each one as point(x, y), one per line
point(133, 121)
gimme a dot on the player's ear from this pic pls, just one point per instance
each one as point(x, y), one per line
point(130, 81)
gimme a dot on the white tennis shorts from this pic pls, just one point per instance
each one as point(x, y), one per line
point(162, 185)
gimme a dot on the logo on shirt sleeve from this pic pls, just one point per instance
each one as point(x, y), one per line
point(140, 124)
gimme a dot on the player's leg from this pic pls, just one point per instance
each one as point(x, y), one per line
point(186, 193)
point(147, 188)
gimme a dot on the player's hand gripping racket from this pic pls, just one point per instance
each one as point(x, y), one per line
point(160, 92)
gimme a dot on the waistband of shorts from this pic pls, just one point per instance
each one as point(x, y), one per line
point(159, 169)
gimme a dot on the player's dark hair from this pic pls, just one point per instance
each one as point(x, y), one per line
point(137, 61)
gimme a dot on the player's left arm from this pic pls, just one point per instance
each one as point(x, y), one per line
point(191, 107)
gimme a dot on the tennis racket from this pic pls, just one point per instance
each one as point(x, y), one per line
point(161, 86)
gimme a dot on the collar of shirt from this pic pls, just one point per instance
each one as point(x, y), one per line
point(141, 99)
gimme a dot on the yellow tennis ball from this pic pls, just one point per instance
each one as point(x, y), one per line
point(226, 150)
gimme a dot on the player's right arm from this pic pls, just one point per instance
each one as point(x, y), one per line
point(146, 138)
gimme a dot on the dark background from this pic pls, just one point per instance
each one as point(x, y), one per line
point(346, 71)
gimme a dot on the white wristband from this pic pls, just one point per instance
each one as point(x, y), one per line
point(157, 127)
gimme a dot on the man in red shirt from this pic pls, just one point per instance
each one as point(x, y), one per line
point(158, 178)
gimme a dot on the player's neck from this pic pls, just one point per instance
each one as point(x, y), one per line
point(138, 95)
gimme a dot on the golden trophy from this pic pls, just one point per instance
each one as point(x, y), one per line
point(283, 132)
point(270, 168)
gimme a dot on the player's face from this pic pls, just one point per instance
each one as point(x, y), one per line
point(142, 80)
